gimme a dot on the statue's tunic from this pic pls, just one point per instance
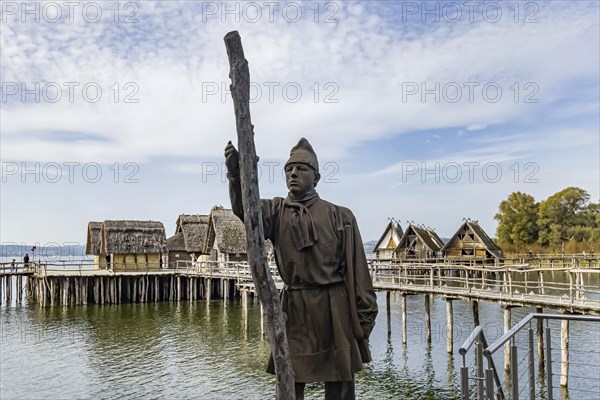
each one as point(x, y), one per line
point(315, 297)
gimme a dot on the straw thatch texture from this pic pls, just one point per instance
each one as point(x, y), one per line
point(193, 228)
point(133, 237)
point(176, 243)
point(226, 232)
point(93, 245)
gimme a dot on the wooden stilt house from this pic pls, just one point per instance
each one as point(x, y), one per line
point(93, 244)
point(385, 247)
point(419, 243)
point(133, 245)
point(470, 243)
point(225, 236)
point(177, 251)
point(188, 242)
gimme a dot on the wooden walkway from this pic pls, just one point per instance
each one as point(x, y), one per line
point(510, 286)
point(567, 290)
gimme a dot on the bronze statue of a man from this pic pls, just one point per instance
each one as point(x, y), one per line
point(328, 295)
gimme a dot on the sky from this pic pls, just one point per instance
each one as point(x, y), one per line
point(426, 112)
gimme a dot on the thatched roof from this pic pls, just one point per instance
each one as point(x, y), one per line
point(436, 238)
point(225, 231)
point(483, 237)
point(176, 242)
point(193, 228)
point(427, 236)
point(133, 237)
point(391, 226)
point(93, 238)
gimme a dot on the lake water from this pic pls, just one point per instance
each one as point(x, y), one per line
point(208, 350)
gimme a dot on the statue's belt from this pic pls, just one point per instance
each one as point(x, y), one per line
point(312, 286)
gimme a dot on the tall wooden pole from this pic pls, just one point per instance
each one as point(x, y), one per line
point(257, 256)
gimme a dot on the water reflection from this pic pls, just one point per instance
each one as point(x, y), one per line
point(207, 349)
point(452, 378)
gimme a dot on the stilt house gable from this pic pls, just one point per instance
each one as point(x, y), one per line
point(416, 238)
point(133, 237)
point(225, 232)
point(93, 245)
point(471, 236)
point(390, 238)
point(193, 228)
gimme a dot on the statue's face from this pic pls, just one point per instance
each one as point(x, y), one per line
point(300, 178)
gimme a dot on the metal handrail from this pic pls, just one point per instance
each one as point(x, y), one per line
point(488, 352)
point(470, 340)
point(478, 334)
point(525, 321)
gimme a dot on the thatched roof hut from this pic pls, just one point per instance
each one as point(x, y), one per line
point(193, 229)
point(133, 237)
point(176, 243)
point(93, 245)
point(471, 241)
point(225, 232)
point(419, 242)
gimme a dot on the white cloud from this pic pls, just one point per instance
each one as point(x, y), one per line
point(363, 55)
point(369, 58)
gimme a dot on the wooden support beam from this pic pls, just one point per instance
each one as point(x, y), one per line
point(564, 352)
point(404, 332)
point(507, 315)
point(427, 318)
point(475, 305)
point(388, 312)
point(449, 326)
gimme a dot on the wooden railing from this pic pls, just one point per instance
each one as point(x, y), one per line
point(577, 289)
point(513, 284)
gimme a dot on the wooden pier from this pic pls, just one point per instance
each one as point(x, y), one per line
point(510, 286)
point(518, 285)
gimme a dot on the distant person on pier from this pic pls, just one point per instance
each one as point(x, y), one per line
point(13, 265)
point(328, 296)
point(26, 261)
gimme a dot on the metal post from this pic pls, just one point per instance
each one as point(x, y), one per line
point(464, 383)
point(479, 366)
point(548, 365)
point(531, 365)
point(489, 384)
point(514, 370)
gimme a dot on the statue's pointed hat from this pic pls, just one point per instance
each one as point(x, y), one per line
point(303, 153)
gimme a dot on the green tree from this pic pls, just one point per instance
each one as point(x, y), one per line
point(517, 219)
point(589, 217)
point(559, 212)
